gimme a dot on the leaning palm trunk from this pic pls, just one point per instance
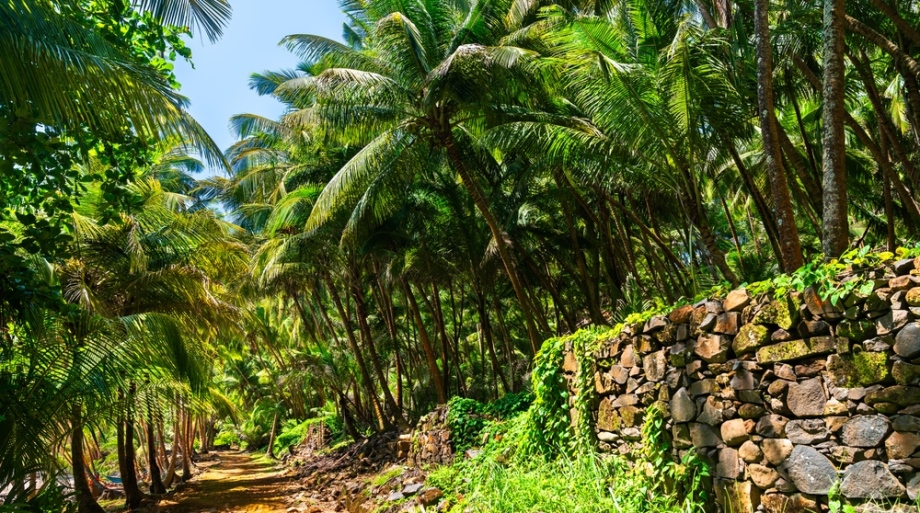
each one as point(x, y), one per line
point(382, 421)
point(498, 235)
point(430, 357)
point(270, 451)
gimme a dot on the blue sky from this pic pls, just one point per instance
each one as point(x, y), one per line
point(218, 85)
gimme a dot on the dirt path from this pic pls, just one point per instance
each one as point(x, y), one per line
point(234, 482)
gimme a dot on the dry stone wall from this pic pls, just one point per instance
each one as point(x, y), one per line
point(429, 443)
point(787, 397)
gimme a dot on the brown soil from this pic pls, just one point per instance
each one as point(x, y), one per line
point(236, 482)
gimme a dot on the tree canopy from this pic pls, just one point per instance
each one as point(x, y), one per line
point(450, 184)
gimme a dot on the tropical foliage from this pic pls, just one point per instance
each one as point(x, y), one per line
point(454, 183)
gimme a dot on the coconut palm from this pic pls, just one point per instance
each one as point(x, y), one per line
point(71, 76)
point(418, 87)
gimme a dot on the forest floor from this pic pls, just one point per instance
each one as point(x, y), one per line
point(237, 482)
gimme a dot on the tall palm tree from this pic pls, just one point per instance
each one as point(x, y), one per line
point(785, 219)
point(420, 85)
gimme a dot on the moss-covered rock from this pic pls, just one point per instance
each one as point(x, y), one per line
point(858, 369)
point(856, 331)
point(796, 349)
point(749, 338)
point(905, 373)
point(899, 394)
point(782, 312)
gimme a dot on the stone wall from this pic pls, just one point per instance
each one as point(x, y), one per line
point(786, 397)
point(429, 443)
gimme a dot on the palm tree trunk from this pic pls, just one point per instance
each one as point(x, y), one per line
point(884, 163)
point(86, 503)
point(485, 329)
point(785, 217)
point(133, 495)
point(433, 371)
point(270, 451)
point(903, 25)
point(498, 235)
point(171, 464)
point(813, 191)
point(835, 223)
point(357, 293)
point(383, 422)
point(156, 479)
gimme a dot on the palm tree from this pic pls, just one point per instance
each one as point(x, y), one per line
point(785, 219)
point(836, 236)
point(55, 63)
point(417, 87)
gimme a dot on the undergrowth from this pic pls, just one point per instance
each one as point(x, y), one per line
point(539, 460)
point(545, 459)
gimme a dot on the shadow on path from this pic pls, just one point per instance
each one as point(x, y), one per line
point(236, 483)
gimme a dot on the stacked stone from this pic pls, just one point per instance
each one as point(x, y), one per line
point(785, 396)
point(429, 443)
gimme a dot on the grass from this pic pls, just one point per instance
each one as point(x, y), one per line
point(583, 485)
point(382, 478)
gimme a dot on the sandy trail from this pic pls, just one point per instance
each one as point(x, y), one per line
point(235, 482)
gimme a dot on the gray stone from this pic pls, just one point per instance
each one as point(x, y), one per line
point(810, 471)
point(891, 322)
point(905, 373)
point(729, 466)
point(776, 450)
point(907, 342)
point(682, 407)
point(736, 300)
point(607, 436)
point(702, 387)
point(843, 454)
point(913, 486)
point(870, 480)
point(743, 380)
point(712, 412)
point(619, 374)
point(807, 399)
point(904, 266)
point(864, 431)
point(629, 358)
point(784, 371)
point(708, 322)
point(412, 489)
point(704, 435)
point(751, 411)
point(905, 423)
point(858, 369)
point(727, 323)
point(656, 323)
point(813, 328)
point(625, 400)
point(655, 366)
point(796, 349)
point(736, 431)
point(808, 432)
point(899, 395)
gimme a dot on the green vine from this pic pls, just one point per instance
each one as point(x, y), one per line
point(825, 276)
